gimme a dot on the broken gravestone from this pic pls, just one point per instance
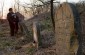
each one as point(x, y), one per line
point(36, 34)
point(67, 30)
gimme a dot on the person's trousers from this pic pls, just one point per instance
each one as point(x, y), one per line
point(16, 27)
point(13, 28)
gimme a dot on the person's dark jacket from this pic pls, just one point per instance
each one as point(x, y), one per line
point(12, 17)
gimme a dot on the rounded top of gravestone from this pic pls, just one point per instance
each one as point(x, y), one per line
point(64, 27)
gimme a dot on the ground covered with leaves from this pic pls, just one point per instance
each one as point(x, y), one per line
point(20, 45)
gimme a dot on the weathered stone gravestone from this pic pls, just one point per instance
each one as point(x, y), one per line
point(36, 34)
point(67, 30)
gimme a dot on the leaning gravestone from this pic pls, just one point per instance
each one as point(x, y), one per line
point(36, 34)
point(67, 30)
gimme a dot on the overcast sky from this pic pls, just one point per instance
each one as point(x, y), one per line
point(68, 0)
point(9, 3)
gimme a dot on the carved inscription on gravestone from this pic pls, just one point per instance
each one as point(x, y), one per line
point(64, 27)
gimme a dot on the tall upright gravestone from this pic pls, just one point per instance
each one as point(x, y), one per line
point(67, 30)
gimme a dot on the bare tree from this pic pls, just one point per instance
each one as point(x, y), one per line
point(52, 13)
point(2, 7)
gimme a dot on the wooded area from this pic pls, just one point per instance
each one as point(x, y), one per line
point(46, 27)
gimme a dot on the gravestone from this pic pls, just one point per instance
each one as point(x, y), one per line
point(67, 29)
point(36, 34)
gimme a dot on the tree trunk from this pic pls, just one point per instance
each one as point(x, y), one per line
point(52, 14)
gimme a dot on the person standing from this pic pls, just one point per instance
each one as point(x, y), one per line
point(13, 22)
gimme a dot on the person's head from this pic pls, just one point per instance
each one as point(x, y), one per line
point(10, 10)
